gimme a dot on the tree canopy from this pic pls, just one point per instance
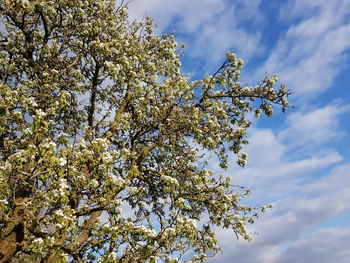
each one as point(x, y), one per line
point(103, 140)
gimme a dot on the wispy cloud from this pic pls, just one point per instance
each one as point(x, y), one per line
point(187, 16)
point(284, 231)
point(323, 246)
point(297, 148)
point(337, 180)
point(313, 50)
point(208, 27)
point(303, 192)
point(307, 128)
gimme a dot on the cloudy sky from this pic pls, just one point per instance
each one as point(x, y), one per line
point(298, 161)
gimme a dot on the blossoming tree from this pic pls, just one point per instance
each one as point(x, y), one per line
point(96, 117)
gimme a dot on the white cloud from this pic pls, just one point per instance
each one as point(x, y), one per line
point(269, 158)
point(281, 163)
point(323, 246)
point(311, 53)
point(302, 198)
point(337, 180)
point(295, 9)
point(283, 232)
point(223, 34)
point(305, 129)
point(211, 27)
point(307, 57)
point(189, 15)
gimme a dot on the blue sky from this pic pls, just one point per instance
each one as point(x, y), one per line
point(298, 161)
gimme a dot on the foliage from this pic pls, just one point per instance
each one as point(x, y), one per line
point(96, 117)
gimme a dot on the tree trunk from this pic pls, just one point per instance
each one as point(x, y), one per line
point(10, 244)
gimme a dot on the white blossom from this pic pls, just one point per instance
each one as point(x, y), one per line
point(25, 2)
point(59, 212)
point(94, 183)
point(169, 180)
point(51, 240)
point(4, 201)
point(109, 64)
point(169, 231)
point(113, 256)
point(49, 145)
point(107, 157)
point(38, 241)
point(62, 183)
point(102, 142)
point(116, 179)
point(40, 114)
point(62, 161)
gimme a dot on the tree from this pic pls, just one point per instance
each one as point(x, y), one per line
point(96, 117)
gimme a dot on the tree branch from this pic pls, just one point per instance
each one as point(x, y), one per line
point(92, 108)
